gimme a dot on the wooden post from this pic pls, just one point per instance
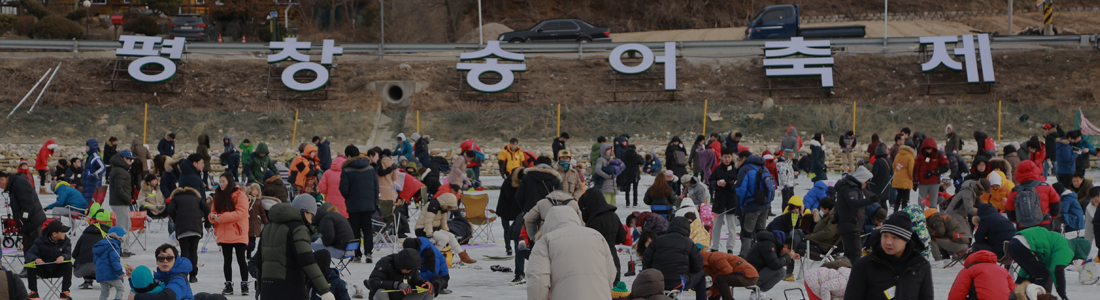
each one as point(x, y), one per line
point(145, 124)
point(559, 120)
point(705, 103)
point(853, 118)
point(418, 121)
point(294, 136)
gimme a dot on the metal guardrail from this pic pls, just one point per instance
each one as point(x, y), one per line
point(374, 48)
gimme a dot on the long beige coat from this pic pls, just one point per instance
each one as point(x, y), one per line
point(571, 261)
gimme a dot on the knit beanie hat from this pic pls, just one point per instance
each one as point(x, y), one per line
point(929, 212)
point(543, 160)
point(995, 179)
point(781, 236)
point(862, 174)
point(305, 203)
point(268, 174)
point(351, 151)
point(686, 178)
point(1058, 187)
point(142, 281)
point(620, 291)
point(899, 225)
point(116, 233)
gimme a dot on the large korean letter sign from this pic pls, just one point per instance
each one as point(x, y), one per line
point(289, 50)
point(173, 48)
point(941, 57)
point(669, 59)
point(473, 77)
point(775, 53)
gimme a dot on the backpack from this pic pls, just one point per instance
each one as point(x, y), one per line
point(1028, 205)
point(617, 167)
point(681, 158)
point(764, 191)
point(478, 157)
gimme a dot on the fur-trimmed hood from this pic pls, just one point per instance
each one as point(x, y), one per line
point(186, 190)
point(1002, 164)
point(909, 149)
point(358, 161)
point(515, 178)
point(542, 170)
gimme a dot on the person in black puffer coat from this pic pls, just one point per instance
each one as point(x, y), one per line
point(628, 179)
point(188, 210)
point(335, 232)
point(599, 215)
point(82, 253)
point(770, 256)
point(191, 175)
point(853, 197)
point(677, 257)
point(536, 184)
point(359, 185)
point(506, 206)
point(993, 230)
point(882, 173)
point(24, 205)
point(895, 265)
point(389, 274)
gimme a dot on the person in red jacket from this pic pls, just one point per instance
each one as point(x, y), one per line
point(982, 279)
point(930, 163)
point(476, 166)
point(715, 144)
point(44, 155)
point(1049, 200)
point(769, 163)
point(1037, 149)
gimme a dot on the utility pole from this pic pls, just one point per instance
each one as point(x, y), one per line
point(1010, 32)
point(480, 32)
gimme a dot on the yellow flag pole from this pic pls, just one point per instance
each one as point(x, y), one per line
point(294, 136)
point(145, 124)
point(853, 118)
point(559, 120)
point(705, 103)
point(418, 121)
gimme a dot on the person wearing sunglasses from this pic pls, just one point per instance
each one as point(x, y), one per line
point(172, 270)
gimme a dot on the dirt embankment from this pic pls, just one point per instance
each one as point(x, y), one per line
point(225, 97)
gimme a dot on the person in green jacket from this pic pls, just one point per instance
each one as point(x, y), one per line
point(286, 259)
point(256, 163)
point(596, 151)
point(1042, 256)
point(246, 148)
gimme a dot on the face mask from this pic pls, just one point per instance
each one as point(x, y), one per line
point(564, 164)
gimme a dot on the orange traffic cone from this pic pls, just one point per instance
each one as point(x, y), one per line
point(219, 37)
point(244, 39)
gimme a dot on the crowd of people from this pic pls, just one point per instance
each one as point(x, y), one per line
point(560, 221)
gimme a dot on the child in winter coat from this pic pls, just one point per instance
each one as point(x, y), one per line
point(338, 287)
point(652, 165)
point(108, 264)
point(145, 288)
point(982, 279)
point(55, 248)
point(650, 285)
point(150, 199)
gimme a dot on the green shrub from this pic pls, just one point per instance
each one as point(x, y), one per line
point(34, 8)
point(7, 22)
point(146, 25)
point(56, 27)
point(76, 15)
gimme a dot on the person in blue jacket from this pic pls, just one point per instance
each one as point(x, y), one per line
point(67, 197)
point(172, 270)
point(754, 216)
point(1072, 215)
point(93, 170)
point(1066, 156)
point(813, 197)
point(433, 267)
point(993, 230)
point(108, 264)
point(167, 145)
point(403, 148)
point(652, 165)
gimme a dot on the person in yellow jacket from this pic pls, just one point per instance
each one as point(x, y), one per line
point(999, 188)
point(511, 156)
point(903, 174)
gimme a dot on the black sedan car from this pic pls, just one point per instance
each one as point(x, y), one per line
point(559, 30)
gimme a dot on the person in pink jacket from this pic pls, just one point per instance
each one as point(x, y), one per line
point(229, 215)
point(330, 185)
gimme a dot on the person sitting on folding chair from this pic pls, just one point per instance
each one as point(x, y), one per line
point(398, 276)
point(433, 223)
point(334, 228)
point(660, 198)
point(824, 234)
point(728, 271)
point(69, 201)
point(150, 199)
point(83, 264)
point(433, 266)
point(947, 234)
point(51, 255)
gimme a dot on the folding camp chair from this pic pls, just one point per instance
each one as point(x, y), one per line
point(138, 221)
point(479, 216)
point(385, 234)
point(12, 260)
point(349, 253)
point(53, 285)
